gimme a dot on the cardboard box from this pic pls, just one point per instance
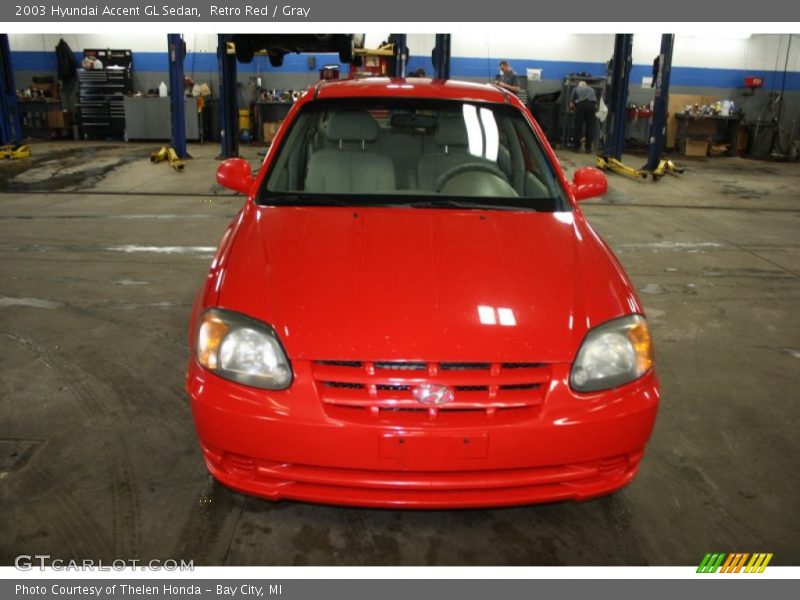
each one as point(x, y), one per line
point(59, 119)
point(270, 128)
point(696, 148)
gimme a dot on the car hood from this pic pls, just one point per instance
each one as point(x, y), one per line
point(423, 284)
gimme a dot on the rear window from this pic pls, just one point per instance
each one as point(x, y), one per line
point(407, 151)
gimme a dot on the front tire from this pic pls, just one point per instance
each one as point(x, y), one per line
point(346, 48)
point(245, 51)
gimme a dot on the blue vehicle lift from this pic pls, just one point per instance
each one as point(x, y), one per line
point(441, 56)
point(658, 127)
point(619, 79)
point(176, 153)
point(10, 126)
point(228, 99)
point(619, 73)
point(620, 69)
point(177, 53)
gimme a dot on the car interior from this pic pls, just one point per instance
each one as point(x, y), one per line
point(464, 150)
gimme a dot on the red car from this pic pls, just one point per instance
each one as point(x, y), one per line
point(410, 310)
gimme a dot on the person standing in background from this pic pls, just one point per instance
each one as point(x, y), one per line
point(507, 78)
point(584, 101)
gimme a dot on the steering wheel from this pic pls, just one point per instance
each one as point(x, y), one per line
point(483, 167)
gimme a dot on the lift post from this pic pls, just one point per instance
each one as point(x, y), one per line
point(177, 53)
point(441, 56)
point(658, 127)
point(10, 127)
point(620, 71)
point(228, 99)
point(618, 97)
point(399, 61)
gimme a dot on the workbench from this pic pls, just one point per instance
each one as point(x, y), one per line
point(714, 128)
point(33, 113)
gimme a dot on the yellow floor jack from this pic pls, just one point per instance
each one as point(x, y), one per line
point(666, 167)
point(168, 153)
point(13, 151)
point(609, 163)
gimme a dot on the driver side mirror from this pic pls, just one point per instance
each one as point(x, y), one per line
point(589, 182)
point(236, 174)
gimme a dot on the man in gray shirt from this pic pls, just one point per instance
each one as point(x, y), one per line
point(507, 78)
point(584, 101)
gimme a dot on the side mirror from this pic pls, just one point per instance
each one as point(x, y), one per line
point(588, 182)
point(236, 174)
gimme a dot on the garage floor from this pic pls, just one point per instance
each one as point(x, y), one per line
point(101, 253)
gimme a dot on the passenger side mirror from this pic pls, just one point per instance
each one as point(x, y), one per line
point(236, 174)
point(588, 182)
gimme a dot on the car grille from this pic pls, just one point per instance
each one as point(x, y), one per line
point(381, 388)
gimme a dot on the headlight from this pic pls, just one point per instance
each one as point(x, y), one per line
point(612, 354)
point(242, 349)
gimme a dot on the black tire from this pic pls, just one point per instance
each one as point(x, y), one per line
point(346, 49)
point(276, 60)
point(245, 51)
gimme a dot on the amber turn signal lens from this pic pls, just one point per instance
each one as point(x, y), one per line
point(212, 332)
point(639, 336)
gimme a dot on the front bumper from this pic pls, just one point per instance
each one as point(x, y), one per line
point(283, 445)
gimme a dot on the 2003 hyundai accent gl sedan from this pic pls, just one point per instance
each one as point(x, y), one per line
point(410, 310)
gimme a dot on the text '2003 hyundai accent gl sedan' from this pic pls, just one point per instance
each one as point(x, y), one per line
point(410, 310)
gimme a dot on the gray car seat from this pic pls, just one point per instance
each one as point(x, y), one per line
point(350, 165)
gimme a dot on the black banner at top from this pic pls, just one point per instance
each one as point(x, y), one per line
point(298, 11)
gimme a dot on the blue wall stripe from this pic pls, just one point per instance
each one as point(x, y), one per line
point(199, 62)
point(34, 61)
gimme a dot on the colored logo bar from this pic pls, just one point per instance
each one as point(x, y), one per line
point(735, 562)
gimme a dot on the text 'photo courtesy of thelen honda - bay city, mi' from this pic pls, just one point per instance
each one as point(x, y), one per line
point(410, 310)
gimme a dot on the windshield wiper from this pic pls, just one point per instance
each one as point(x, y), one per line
point(363, 202)
point(303, 200)
point(467, 205)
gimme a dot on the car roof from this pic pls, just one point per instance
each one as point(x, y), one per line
point(412, 87)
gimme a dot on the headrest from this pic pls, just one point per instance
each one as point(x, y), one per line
point(351, 126)
point(451, 132)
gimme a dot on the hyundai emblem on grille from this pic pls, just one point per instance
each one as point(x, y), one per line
point(428, 393)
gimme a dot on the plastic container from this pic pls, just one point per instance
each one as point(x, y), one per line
point(162, 90)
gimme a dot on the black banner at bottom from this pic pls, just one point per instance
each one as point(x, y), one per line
point(392, 589)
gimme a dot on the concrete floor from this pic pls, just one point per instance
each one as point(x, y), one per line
point(98, 457)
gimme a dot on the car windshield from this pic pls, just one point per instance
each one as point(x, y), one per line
point(412, 152)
